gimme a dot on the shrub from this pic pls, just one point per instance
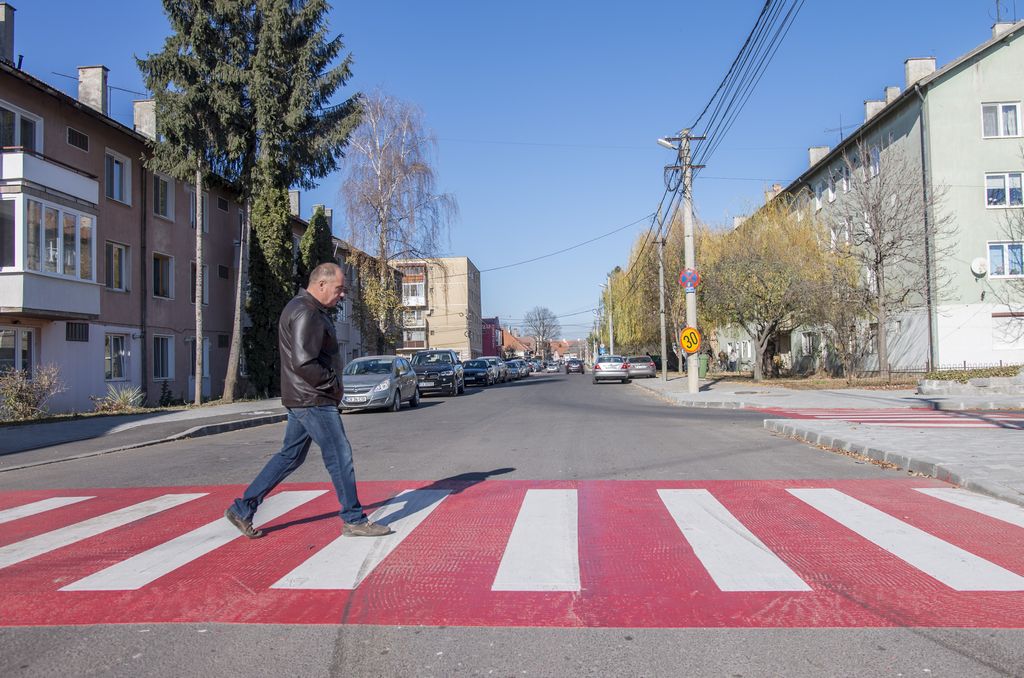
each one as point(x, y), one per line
point(963, 376)
point(23, 396)
point(121, 398)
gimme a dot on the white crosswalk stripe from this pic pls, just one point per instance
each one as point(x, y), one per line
point(542, 553)
point(347, 561)
point(150, 565)
point(65, 536)
point(732, 555)
point(989, 506)
point(41, 506)
point(951, 565)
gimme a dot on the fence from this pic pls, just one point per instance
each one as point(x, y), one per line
point(948, 367)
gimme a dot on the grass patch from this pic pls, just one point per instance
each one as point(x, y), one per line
point(963, 376)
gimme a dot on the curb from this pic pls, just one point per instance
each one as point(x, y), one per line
point(194, 432)
point(922, 466)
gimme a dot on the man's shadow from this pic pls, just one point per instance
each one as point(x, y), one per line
point(413, 501)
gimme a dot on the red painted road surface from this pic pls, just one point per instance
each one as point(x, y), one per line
point(636, 568)
point(907, 418)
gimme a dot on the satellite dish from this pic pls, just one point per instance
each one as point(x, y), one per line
point(979, 266)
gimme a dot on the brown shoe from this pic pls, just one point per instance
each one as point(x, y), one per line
point(365, 529)
point(244, 526)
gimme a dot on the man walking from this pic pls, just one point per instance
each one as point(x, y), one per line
point(311, 389)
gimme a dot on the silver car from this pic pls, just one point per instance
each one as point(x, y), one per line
point(499, 365)
point(641, 366)
point(379, 382)
point(611, 368)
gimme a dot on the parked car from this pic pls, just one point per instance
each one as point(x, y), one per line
point(379, 382)
point(517, 369)
point(535, 364)
point(479, 371)
point(574, 365)
point(611, 367)
point(499, 365)
point(641, 366)
point(439, 371)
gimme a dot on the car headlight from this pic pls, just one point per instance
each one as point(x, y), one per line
point(447, 373)
point(382, 386)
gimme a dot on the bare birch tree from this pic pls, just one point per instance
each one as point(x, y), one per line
point(543, 325)
point(393, 207)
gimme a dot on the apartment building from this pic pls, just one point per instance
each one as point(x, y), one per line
point(441, 306)
point(960, 129)
point(97, 253)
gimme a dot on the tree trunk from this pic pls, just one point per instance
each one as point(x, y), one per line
point(234, 355)
point(881, 337)
point(198, 395)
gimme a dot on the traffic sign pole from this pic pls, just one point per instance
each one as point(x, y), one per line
point(689, 257)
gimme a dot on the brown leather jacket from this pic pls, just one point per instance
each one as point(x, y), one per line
point(310, 367)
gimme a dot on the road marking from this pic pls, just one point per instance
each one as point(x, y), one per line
point(735, 558)
point(989, 506)
point(150, 565)
point(951, 565)
point(7, 515)
point(50, 541)
point(347, 561)
point(542, 553)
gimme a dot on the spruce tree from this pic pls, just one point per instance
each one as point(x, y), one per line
point(316, 246)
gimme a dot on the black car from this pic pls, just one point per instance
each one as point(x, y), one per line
point(574, 365)
point(439, 371)
point(479, 371)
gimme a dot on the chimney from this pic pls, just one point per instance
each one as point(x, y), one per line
point(738, 221)
point(918, 68)
point(6, 32)
point(998, 29)
point(891, 94)
point(294, 203)
point(92, 87)
point(770, 195)
point(145, 117)
point(816, 153)
point(872, 107)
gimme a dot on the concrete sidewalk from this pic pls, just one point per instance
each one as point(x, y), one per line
point(26, 445)
point(987, 460)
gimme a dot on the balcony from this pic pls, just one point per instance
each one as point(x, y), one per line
point(414, 345)
point(44, 296)
point(27, 167)
point(414, 301)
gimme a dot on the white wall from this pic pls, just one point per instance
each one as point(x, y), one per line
point(81, 364)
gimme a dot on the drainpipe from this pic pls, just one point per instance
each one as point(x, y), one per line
point(932, 349)
point(143, 354)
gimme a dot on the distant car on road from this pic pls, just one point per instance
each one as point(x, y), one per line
point(609, 368)
point(379, 382)
point(480, 372)
point(439, 371)
point(573, 365)
point(517, 369)
point(552, 367)
point(641, 366)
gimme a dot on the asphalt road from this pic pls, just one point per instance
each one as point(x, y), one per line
point(549, 427)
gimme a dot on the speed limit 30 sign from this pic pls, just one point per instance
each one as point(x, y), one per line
point(690, 339)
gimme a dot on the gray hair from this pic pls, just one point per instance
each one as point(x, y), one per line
point(326, 271)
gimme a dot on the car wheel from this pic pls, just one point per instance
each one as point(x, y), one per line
point(595, 380)
point(462, 386)
point(396, 402)
point(415, 400)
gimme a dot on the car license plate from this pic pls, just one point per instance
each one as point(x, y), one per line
point(356, 399)
point(426, 383)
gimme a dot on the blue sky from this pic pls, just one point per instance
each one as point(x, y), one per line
point(547, 112)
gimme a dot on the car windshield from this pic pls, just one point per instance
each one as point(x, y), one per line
point(639, 359)
point(476, 364)
point(432, 359)
point(369, 366)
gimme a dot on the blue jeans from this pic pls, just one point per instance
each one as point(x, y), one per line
point(306, 425)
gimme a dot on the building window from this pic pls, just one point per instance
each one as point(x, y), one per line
point(117, 266)
point(118, 177)
point(192, 211)
point(78, 139)
point(76, 331)
point(163, 276)
point(1000, 120)
point(191, 342)
point(832, 187)
point(222, 204)
point(206, 283)
point(819, 191)
point(1003, 190)
point(20, 129)
point(16, 345)
point(114, 357)
point(7, 233)
point(58, 241)
point(1006, 259)
point(875, 166)
point(413, 294)
point(163, 358)
point(223, 271)
point(163, 197)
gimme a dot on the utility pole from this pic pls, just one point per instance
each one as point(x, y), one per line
point(692, 360)
point(661, 296)
point(611, 325)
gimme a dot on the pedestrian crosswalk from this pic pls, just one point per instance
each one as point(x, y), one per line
point(909, 418)
point(584, 553)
